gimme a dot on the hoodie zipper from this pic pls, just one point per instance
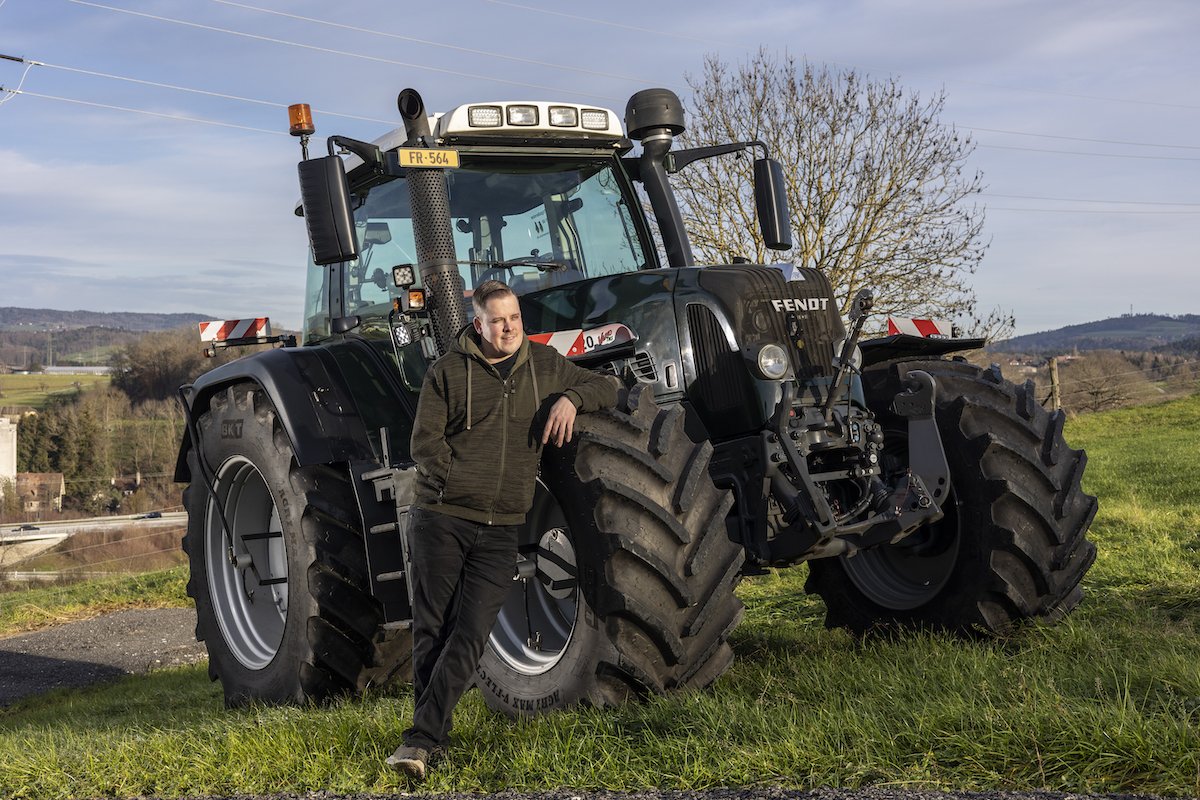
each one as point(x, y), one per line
point(503, 448)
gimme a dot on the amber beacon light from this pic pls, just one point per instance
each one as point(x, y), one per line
point(300, 118)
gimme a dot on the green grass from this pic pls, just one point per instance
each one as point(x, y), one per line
point(1108, 701)
point(35, 390)
point(40, 606)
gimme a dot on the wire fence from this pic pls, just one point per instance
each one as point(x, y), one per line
point(120, 565)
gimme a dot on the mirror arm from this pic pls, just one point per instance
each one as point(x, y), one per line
point(369, 153)
point(681, 158)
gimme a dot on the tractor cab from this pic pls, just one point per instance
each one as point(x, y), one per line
point(537, 197)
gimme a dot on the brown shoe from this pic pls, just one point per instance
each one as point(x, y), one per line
point(409, 760)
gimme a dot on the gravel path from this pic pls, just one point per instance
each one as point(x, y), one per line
point(82, 653)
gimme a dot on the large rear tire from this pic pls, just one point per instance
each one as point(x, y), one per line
point(633, 591)
point(1012, 545)
point(292, 621)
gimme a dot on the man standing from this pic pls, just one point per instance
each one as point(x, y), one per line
point(477, 438)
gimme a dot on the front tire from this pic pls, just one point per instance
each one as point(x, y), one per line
point(1012, 545)
point(633, 592)
point(289, 619)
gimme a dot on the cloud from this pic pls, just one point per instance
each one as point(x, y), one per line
point(159, 233)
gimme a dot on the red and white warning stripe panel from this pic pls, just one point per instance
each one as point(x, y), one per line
point(221, 330)
point(579, 342)
point(928, 328)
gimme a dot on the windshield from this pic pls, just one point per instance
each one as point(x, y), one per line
point(554, 221)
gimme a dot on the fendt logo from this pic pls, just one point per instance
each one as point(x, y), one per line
point(231, 429)
point(801, 304)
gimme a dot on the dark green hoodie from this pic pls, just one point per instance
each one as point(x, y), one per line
point(477, 438)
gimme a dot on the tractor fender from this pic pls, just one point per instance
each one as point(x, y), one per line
point(313, 404)
point(905, 346)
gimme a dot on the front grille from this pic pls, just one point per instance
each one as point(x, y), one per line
point(721, 378)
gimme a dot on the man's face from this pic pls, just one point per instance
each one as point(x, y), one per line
point(500, 327)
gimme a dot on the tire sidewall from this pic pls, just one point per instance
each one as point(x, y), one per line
point(572, 677)
point(260, 442)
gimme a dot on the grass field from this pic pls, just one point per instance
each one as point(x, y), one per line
point(1108, 701)
point(36, 389)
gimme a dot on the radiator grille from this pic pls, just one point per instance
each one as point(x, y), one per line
point(721, 377)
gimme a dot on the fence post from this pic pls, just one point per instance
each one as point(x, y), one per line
point(1055, 397)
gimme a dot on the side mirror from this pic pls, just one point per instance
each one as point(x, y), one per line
point(325, 196)
point(770, 200)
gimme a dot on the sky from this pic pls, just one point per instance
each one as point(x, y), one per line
point(121, 191)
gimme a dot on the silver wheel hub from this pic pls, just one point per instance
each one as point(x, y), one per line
point(247, 582)
point(537, 620)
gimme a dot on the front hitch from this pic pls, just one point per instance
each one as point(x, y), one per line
point(810, 523)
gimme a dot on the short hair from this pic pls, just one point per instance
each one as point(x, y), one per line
point(485, 292)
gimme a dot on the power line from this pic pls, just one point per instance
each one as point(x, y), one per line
point(1083, 200)
point(14, 92)
point(1080, 138)
point(1075, 152)
point(594, 21)
point(178, 117)
point(204, 92)
point(1052, 92)
point(327, 50)
point(1031, 90)
point(431, 43)
point(1159, 214)
point(222, 95)
point(1145, 371)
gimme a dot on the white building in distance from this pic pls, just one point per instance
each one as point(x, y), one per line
point(8, 450)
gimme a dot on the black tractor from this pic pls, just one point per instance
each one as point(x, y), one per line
point(756, 429)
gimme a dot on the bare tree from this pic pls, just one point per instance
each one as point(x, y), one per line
point(879, 189)
point(1103, 379)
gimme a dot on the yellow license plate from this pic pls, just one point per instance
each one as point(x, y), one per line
point(427, 157)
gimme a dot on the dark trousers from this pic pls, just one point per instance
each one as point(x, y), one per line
point(462, 571)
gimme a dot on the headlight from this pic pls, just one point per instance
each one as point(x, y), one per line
point(772, 362)
point(856, 356)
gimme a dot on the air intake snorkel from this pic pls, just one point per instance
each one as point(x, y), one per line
point(655, 116)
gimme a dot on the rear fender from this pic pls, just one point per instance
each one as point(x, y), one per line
point(316, 411)
point(904, 346)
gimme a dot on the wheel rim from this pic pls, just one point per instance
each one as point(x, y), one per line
point(249, 598)
point(907, 575)
point(535, 624)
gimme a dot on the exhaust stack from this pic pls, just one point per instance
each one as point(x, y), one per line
point(432, 235)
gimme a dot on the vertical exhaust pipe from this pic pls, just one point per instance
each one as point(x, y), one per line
point(432, 235)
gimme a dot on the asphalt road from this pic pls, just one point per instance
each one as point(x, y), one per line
point(78, 654)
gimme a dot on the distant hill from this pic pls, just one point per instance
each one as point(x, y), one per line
point(40, 319)
point(31, 337)
point(1140, 332)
